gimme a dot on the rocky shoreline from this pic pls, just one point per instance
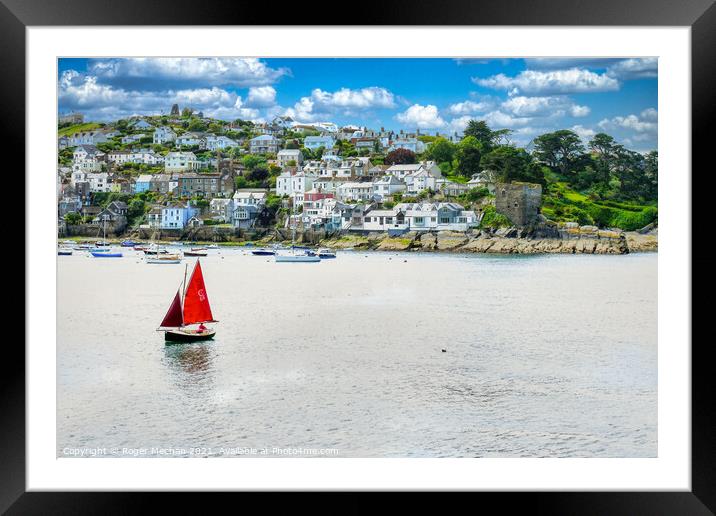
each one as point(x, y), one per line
point(581, 240)
point(568, 238)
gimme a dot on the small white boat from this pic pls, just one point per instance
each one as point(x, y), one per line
point(326, 253)
point(296, 256)
point(212, 246)
point(164, 258)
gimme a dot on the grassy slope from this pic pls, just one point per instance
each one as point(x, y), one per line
point(67, 131)
point(562, 204)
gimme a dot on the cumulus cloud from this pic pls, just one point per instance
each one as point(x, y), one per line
point(543, 106)
point(372, 97)
point(226, 71)
point(468, 107)
point(619, 68)
point(556, 63)
point(261, 96)
point(573, 80)
point(105, 102)
point(584, 133)
point(321, 104)
point(421, 117)
point(635, 68)
point(645, 122)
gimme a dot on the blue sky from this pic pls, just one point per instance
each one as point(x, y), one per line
point(529, 96)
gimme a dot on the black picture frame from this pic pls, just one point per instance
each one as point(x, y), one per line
point(700, 15)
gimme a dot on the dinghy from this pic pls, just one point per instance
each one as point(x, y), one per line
point(191, 309)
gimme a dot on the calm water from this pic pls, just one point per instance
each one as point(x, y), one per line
point(547, 356)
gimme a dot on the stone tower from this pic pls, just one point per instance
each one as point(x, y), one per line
point(520, 202)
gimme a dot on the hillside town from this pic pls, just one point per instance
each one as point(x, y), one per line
point(152, 172)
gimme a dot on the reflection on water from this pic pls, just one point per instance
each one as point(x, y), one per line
point(194, 359)
point(545, 356)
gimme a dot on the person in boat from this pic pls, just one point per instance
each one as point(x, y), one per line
point(201, 328)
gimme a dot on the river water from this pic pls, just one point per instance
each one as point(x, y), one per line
point(545, 356)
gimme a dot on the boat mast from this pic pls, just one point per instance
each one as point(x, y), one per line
point(183, 289)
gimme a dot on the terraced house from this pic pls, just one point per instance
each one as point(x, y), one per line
point(207, 185)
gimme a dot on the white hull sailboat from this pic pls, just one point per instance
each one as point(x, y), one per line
point(295, 255)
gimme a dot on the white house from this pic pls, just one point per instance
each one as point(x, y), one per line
point(164, 134)
point(386, 186)
point(419, 181)
point(294, 185)
point(191, 139)
point(263, 144)
point(437, 216)
point(451, 188)
point(249, 198)
point(176, 216)
point(355, 192)
point(87, 158)
point(212, 142)
point(315, 142)
point(222, 209)
point(289, 157)
point(412, 144)
point(98, 182)
point(180, 162)
point(90, 137)
point(133, 138)
point(140, 125)
point(145, 156)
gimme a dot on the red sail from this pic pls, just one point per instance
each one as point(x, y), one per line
point(173, 319)
point(196, 302)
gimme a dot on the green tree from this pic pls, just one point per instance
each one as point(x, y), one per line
point(73, 218)
point(441, 150)
point(196, 125)
point(479, 130)
point(512, 164)
point(561, 150)
point(468, 155)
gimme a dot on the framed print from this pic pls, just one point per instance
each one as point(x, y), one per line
point(414, 253)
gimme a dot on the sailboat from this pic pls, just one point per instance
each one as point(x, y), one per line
point(191, 308)
point(295, 254)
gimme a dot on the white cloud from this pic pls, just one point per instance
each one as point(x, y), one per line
point(421, 117)
point(458, 125)
point(468, 107)
point(584, 133)
point(635, 68)
point(372, 97)
point(645, 122)
point(578, 111)
point(238, 72)
point(573, 80)
point(561, 63)
point(500, 120)
point(543, 106)
point(322, 104)
point(261, 96)
point(106, 102)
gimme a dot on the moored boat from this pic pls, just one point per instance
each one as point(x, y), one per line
point(196, 252)
point(64, 252)
point(263, 252)
point(190, 309)
point(326, 254)
point(105, 254)
point(164, 258)
point(296, 256)
point(128, 243)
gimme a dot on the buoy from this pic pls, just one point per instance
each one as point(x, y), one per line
point(405, 261)
point(444, 350)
